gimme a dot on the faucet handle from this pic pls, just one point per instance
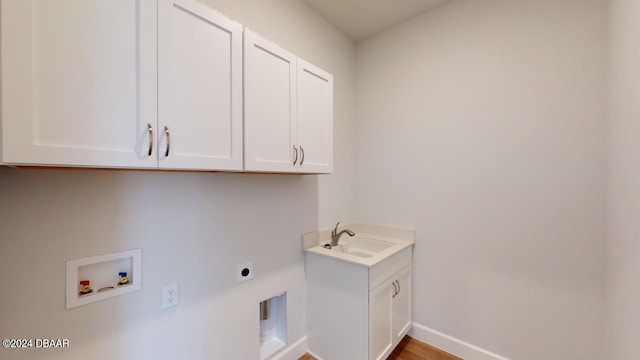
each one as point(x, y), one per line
point(335, 231)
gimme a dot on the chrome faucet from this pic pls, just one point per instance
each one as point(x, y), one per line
point(335, 235)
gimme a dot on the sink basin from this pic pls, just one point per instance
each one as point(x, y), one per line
point(361, 247)
point(371, 245)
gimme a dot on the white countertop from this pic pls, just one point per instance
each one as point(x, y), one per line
point(400, 238)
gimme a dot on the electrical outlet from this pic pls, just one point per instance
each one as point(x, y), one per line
point(170, 296)
point(244, 272)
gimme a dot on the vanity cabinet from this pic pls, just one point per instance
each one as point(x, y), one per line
point(356, 312)
point(390, 314)
point(121, 83)
point(288, 120)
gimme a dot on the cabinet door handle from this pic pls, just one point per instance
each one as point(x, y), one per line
point(295, 151)
point(395, 290)
point(168, 134)
point(302, 155)
point(150, 130)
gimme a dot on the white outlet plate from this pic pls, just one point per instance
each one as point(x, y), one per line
point(170, 296)
point(244, 272)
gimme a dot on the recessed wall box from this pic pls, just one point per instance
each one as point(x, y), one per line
point(273, 325)
point(105, 274)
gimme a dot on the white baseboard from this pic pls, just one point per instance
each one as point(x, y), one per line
point(314, 355)
point(452, 345)
point(293, 351)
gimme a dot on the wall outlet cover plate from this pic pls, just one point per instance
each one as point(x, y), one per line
point(170, 296)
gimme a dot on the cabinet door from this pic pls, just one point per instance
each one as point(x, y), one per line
point(270, 103)
point(79, 82)
point(315, 119)
point(401, 316)
point(380, 328)
point(200, 88)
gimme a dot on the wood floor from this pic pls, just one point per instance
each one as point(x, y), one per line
point(412, 349)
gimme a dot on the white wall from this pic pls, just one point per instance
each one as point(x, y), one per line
point(623, 250)
point(481, 125)
point(193, 227)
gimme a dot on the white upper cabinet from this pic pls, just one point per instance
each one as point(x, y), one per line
point(288, 111)
point(156, 84)
point(121, 83)
point(79, 82)
point(199, 88)
point(269, 106)
point(315, 118)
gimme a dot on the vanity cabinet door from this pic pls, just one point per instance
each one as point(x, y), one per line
point(79, 82)
point(381, 333)
point(389, 314)
point(315, 119)
point(200, 88)
point(401, 316)
point(270, 127)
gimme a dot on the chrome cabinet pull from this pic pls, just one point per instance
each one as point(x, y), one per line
point(395, 290)
point(150, 130)
point(295, 150)
point(168, 134)
point(302, 155)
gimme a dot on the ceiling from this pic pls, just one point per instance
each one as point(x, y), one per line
point(359, 19)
